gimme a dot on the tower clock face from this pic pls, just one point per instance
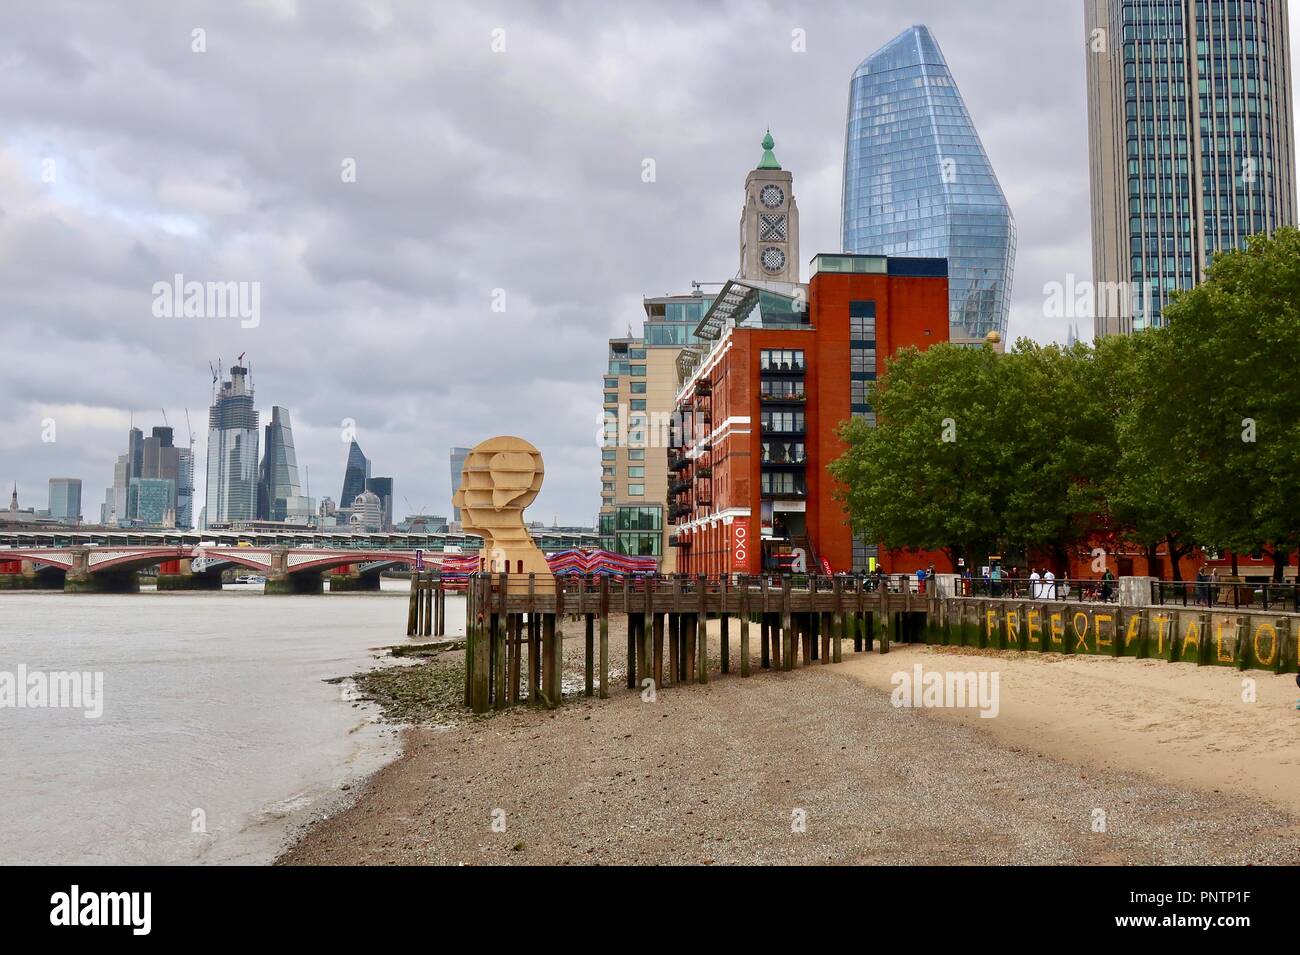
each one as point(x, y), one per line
point(772, 196)
point(771, 227)
point(773, 259)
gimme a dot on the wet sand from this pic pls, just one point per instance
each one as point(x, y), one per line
point(817, 766)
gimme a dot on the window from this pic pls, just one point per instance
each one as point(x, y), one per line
point(636, 490)
point(863, 360)
point(860, 392)
point(637, 472)
point(643, 518)
point(638, 387)
point(611, 397)
point(608, 455)
point(607, 472)
point(781, 359)
point(638, 371)
point(611, 382)
point(636, 455)
point(784, 452)
point(787, 421)
point(781, 390)
point(638, 404)
point(782, 482)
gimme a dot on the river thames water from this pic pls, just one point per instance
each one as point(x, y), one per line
point(219, 735)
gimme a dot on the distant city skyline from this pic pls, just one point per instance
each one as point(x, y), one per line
point(467, 282)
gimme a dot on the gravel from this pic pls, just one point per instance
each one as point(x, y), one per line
point(804, 767)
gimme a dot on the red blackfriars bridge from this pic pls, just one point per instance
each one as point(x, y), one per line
point(288, 570)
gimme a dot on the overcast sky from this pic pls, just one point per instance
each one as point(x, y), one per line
point(126, 157)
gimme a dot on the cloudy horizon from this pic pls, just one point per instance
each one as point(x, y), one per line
point(387, 177)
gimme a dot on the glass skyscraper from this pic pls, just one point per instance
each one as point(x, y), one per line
point(232, 452)
point(279, 495)
point(917, 181)
point(1191, 139)
point(354, 475)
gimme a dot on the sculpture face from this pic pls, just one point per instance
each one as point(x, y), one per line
point(501, 477)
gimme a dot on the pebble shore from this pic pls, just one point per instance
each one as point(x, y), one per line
point(805, 767)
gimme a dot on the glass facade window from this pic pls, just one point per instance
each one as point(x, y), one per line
point(917, 181)
point(636, 472)
point(636, 490)
point(638, 387)
point(1209, 73)
point(637, 371)
point(636, 454)
point(638, 404)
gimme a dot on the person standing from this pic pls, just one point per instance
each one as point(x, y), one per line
point(1107, 585)
point(1035, 587)
point(1049, 585)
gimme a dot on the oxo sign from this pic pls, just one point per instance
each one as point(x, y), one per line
point(740, 543)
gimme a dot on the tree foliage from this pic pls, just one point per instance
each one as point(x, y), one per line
point(1181, 435)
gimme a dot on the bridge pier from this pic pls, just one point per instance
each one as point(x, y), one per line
point(107, 582)
point(307, 582)
point(179, 575)
point(348, 579)
point(23, 575)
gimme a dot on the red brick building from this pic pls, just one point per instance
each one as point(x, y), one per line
point(748, 488)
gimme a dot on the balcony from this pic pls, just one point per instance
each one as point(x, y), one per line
point(782, 396)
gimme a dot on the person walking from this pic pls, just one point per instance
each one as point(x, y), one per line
point(1107, 585)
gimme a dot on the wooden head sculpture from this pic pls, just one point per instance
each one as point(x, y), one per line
point(500, 478)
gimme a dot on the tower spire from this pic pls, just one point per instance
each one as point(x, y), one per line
point(769, 158)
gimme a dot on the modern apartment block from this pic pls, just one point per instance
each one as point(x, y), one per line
point(750, 488)
point(232, 452)
point(917, 182)
point(640, 388)
point(1191, 143)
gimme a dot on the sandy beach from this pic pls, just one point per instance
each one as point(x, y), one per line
point(817, 766)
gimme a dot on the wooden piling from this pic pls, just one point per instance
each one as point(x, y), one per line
point(514, 644)
point(723, 621)
point(552, 658)
point(787, 628)
point(604, 637)
point(658, 627)
point(744, 626)
point(702, 652)
point(589, 636)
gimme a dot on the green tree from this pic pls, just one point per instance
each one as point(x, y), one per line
point(1231, 398)
point(1140, 488)
point(926, 477)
